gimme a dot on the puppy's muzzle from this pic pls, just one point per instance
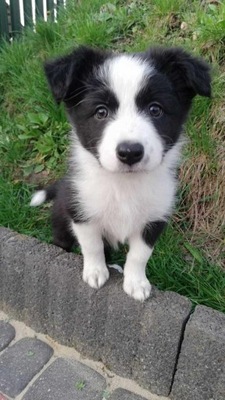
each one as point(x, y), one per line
point(130, 153)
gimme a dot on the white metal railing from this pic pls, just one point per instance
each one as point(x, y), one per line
point(16, 14)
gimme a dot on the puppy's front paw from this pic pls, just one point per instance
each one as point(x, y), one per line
point(95, 276)
point(138, 288)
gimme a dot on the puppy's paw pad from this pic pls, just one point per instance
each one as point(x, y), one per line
point(139, 289)
point(95, 277)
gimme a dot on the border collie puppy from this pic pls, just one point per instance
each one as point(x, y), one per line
point(127, 113)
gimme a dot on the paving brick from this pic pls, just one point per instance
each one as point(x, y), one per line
point(5, 234)
point(122, 329)
point(201, 367)
point(136, 340)
point(121, 394)
point(20, 363)
point(77, 313)
point(36, 283)
point(68, 380)
point(7, 334)
point(160, 332)
point(12, 285)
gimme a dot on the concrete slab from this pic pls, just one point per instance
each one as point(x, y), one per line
point(77, 313)
point(201, 367)
point(20, 363)
point(7, 334)
point(68, 380)
point(161, 329)
point(36, 284)
point(12, 272)
point(122, 328)
point(5, 234)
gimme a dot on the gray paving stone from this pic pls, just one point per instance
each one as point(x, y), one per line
point(5, 234)
point(122, 329)
point(133, 339)
point(136, 340)
point(201, 367)
point(20, 363)
point(13, 264)
point(121, 394)
point(77, 313)
point(36, 282)
point(7, 334)
point(160, 332)
point(68, 380)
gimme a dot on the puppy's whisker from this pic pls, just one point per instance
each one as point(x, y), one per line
point(73, 96)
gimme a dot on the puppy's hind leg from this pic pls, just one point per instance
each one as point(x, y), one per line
point(62, 237)
point(61, 226)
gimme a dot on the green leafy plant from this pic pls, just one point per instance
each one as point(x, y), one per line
point(47, 141)
point(80, 385)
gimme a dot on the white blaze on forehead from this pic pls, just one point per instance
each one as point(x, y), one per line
point(126, 76)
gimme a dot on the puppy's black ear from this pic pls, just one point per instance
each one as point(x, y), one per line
point(66, 74)
point(189, 75)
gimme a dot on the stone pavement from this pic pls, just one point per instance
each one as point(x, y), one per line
point(42, 286)
point(163, 345)
point(33, 367)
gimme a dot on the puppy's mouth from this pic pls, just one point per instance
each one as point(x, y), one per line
point(128, 169)
point(135, 168)
point(123, 168)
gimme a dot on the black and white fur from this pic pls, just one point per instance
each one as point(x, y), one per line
point(127, 113)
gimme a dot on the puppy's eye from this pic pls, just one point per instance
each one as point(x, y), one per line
point(101, 112)
point(155, 110)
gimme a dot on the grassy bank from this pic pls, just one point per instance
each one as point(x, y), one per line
point(189, 258)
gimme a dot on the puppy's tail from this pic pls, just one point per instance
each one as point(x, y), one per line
point(47, 194)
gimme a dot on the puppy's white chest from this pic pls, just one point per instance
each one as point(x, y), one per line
point(121, 204)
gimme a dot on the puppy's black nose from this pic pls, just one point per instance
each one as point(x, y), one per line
point(129, 152)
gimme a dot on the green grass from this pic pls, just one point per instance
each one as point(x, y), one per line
point(15, 212)
point(34, 131)
point(177, 266)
